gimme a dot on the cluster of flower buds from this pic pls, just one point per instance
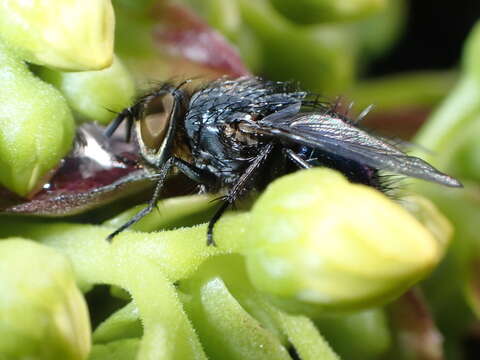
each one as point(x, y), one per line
point(36, 118)
point(313, 244)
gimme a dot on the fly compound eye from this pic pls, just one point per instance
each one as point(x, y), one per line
point(154, 123)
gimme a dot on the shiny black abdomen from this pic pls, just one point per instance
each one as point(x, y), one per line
point(353, 170)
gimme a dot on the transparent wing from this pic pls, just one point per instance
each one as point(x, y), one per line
point(335, 135)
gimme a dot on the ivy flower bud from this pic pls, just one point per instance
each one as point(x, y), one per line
point(316, 239)
point(68, 34)
point(44, 315)
point(36, 126)
point(94, 95)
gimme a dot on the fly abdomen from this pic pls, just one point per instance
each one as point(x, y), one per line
point(355, 171)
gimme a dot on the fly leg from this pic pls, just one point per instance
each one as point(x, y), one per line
point(113, 126)
point(297, 159)
point(161, 176)
point(238, 188)
point(198, 175)
point(189, 170)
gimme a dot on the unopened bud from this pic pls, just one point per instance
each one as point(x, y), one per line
point(95, 95)
point(36, 126)
point(319, 240)
point(43, 314)
point(67, 34)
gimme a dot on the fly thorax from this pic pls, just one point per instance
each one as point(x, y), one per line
point(240, 134)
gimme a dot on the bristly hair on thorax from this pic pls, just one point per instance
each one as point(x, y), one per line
point(260, 98)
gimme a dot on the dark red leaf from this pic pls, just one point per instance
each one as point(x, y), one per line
point(84, 178)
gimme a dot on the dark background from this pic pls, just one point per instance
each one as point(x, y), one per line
point(434, 36)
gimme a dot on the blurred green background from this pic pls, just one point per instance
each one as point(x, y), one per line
point(408, 58)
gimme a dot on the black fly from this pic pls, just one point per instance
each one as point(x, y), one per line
point(235, 135)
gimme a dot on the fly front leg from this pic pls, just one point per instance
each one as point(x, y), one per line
point(189, 170)
point(161, 176)
point(125, 115)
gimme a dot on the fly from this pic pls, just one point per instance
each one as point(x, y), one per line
point(237, 135)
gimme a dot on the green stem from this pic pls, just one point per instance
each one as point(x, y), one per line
point(168, 334)
point(177, 253)
point(416, 89)
point(145, 265)
point(458, 110)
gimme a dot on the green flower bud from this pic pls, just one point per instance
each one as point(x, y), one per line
point(36, 126)
point(43, 314)
point(391, 19)
point(324, 55)
point(320, 240)
point(95, 94)
point(68, 34)
point(316, 11)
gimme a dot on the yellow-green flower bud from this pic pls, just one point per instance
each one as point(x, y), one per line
point(43, 314)
point(67, 34)
point(36, 126)
point(95, 94)
point(317, 239)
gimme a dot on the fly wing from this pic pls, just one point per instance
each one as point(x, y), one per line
point(335, 135)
